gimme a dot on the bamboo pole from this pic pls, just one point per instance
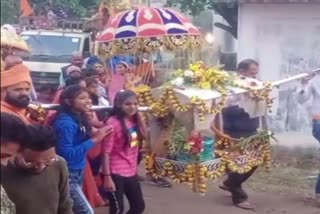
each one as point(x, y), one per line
point(94, 108)
point(143, 109)
point(296, 77)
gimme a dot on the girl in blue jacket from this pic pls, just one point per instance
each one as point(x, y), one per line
point(75, 139)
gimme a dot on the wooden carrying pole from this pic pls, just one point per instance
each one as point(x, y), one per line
point(296, 77)
point(94, 108)
point(274, 84)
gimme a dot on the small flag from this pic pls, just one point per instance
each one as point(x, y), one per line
point(26, 9)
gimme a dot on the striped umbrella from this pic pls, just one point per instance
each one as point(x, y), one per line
point(147, 29)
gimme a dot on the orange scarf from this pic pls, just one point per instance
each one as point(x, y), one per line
point(19, 112)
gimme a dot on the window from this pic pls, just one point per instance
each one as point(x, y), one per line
point(52, 47)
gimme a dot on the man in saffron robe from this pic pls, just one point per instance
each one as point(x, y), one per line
point(16, 85)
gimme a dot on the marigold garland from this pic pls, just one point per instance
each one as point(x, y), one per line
point(201, 77)
point(237, 155)
point(196, 175)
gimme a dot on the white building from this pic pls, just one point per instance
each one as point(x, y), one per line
point(284, 36)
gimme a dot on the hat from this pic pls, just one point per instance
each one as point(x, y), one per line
point(71, 69)
point(16, 74)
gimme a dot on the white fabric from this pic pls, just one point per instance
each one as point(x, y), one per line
point(311, 91)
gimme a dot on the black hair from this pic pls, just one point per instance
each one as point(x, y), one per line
point(245, 64)
point(40, 138)
point(91, 71)
point(13, 129)
point(91, 81)
point(73, 81)
point(117, 112)
point(98, 62)
point(71, 93)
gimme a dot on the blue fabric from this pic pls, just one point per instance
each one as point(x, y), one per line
point(80, 202)
point(316, 129)
point(72, 143)
point(116, 59)
point(93, 60)
point(316, 134)
point(76, 176)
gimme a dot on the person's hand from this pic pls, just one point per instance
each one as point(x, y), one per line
point(108, 184)
point(142, 122)
point(36, 112)
point(100, 134)
point(90, 115)
point(19, 160)
point(305, 80)
point(143, 127)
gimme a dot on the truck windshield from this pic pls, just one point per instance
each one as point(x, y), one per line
point(51, 48)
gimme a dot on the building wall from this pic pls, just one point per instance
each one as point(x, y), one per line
point(285, 39)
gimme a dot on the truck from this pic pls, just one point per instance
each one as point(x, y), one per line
point(52, 46)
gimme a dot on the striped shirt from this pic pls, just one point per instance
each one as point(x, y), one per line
point(123, 158)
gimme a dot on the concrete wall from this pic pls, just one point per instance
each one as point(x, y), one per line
point(285, 39)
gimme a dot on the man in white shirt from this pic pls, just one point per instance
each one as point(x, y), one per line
point(76, 60)
point(310, 89)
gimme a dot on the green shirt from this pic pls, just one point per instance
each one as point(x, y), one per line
point(44, 193)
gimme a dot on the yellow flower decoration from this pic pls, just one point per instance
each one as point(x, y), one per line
point(205, 85)
point(179, 73)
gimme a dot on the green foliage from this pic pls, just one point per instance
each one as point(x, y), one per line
point(79, 8)
point(193, 7)
point(227, 9)
point(9, 13)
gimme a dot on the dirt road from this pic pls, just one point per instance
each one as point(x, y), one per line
point(180, 200)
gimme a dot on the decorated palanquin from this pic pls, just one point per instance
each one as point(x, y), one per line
point(187, 143)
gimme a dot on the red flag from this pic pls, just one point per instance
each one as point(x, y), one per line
point(26, 9)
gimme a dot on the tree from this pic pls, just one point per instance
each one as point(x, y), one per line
point(9, 13)
point(227, 9)
point(79, 8)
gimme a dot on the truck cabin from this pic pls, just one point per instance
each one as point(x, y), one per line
point(51, 47)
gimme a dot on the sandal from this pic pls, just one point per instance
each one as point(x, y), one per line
point(245, 205)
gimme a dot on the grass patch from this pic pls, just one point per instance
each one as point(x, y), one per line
point(291, 171)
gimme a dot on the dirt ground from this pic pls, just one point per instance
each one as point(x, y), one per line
point(180, 199)
point(287, 189)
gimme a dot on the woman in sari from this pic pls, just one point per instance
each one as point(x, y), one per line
point(118, 80)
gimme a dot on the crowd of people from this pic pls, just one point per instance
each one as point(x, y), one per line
point(78, 159)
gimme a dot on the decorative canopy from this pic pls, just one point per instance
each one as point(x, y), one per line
point(147, 29)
